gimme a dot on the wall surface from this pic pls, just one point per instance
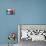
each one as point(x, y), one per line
point(27, 12)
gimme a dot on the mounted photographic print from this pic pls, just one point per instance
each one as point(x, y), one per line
point(10, 11)
point(32, 32)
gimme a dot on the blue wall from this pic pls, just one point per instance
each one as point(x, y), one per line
point(27, 12)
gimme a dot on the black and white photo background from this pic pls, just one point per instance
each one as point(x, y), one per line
point(33, 32)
